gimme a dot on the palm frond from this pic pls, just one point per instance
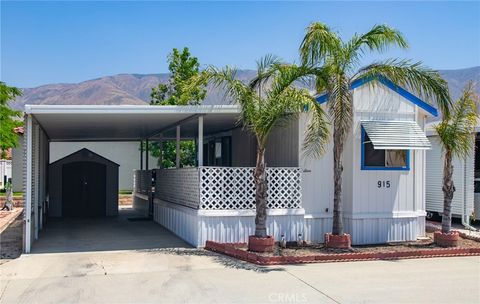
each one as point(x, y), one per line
point(266, 68)
point(340, 105)
point(287, 75)
point(236, 90)
point(319, 43)
point(379, 38)
point(456, 132)
point(425, 82)
point(317, 133)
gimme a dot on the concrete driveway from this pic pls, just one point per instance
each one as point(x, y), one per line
point(197, 276)
point(127, 231)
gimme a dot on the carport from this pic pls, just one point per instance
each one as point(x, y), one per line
point(60, 123)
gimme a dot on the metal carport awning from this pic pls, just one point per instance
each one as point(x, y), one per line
point(396, 135)
point(129, 123)
point(107, 123)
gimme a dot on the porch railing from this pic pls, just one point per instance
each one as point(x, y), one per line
point(179, 186)
point(228, 188)
point(142, 181)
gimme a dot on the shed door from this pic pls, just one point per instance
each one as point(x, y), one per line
point(83, 189)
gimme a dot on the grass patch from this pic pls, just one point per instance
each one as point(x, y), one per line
point(3, 193)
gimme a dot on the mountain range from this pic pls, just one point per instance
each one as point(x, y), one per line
point(132, 89)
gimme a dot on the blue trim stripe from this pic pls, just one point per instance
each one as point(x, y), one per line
point(389, 84)
point(362, 159)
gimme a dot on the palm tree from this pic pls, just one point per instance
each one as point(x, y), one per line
point(269, 101)
point(456, 135)
point(337, 64)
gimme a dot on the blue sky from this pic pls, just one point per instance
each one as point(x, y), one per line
point(49, 42)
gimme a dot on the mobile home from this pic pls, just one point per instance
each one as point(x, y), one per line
point(383, 177)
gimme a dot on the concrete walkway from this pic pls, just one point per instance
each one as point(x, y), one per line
point(197, 276)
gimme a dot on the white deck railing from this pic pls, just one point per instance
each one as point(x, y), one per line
point(228, 188)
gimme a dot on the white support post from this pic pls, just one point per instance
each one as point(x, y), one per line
point(28, 185)
point(177, 150)
point(146, 154)
point(200, 141)
point(141, 155)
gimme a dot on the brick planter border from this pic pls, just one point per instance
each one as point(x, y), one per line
point(338, 241)
point(257, 244)
point(446, 239)
point(231, 249)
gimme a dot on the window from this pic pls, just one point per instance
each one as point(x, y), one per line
point(217, 151)
point(382, 159)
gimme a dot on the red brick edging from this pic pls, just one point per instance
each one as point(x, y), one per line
point(231, 249)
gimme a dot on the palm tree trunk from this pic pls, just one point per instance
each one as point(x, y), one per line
point(338, 143)
point(448, 190)
point(260, 194)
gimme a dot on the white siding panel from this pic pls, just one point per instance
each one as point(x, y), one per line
point(317, 178)
point(383, 230)
point(182, 221)
point(380, 99)
point(196, 228)
point(315, 229)
point(233, 229)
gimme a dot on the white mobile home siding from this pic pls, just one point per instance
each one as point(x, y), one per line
point(371, 214)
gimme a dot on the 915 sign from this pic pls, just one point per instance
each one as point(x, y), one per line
point(383, 184)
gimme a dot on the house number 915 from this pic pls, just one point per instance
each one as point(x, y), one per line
point(383, 184)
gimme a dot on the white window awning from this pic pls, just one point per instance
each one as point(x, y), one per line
point(396, 135)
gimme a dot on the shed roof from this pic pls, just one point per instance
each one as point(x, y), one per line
point(129, 122)
point(83, 152)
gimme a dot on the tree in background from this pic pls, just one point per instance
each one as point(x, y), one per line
point(186, 86)
point(337, 65)
point(9, 118)
point(187, 154)
point(457, 137)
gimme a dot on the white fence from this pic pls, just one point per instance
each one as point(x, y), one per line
point(228, 188)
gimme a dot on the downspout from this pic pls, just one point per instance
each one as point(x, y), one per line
point(465, 216)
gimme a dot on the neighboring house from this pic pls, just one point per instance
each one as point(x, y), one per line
point(5, 172)
point(383, 178)
point(17, 162)
point(466, 177)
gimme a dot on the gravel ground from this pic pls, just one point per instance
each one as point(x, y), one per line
point(320, 249)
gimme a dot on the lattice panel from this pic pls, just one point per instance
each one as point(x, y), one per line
point(233, 188)
point(179, 186)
